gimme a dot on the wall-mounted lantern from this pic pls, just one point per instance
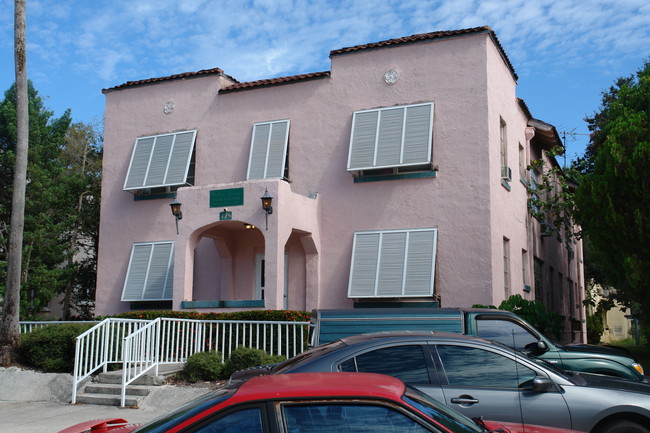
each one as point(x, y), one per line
point(267, 200)
point(176, 211)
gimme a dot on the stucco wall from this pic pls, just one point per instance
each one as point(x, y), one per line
point(471, 88)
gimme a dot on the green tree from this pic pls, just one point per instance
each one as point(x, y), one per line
point(551, 196)
point(613, 197)
point(82, 158)
point(48, 201)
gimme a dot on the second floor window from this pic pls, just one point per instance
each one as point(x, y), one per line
point(160, 161)
point(269, 150)
point(391, 137)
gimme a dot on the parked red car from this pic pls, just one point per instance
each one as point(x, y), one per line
point(312, 402)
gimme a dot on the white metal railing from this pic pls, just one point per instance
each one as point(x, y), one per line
point(100, 346)
point(142, 346)
point(140, 354)
point(28, 326)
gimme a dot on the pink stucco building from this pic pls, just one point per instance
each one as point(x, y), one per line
point(397, 178)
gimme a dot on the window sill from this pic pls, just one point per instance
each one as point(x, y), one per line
point(222, 304)
point(397, 176)
point(505, 184)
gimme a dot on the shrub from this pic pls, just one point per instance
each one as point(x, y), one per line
point(51, 348)
point(595, 328)
point(202, 366)
point(245, 357)
point(549, 323)
point(261, 315)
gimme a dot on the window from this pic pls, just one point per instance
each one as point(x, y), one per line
point(359, 418)
point(506, 172)
point(406, 363)
point(160, 161)
point(393, 263)
point(391, 137)
point(241, 421)
point(506, 332)
point(524, 270)
point(522, 162)
point(150, 273)
point(269, 150)
point(506, 267)
point(538, 269)
point(489, 370)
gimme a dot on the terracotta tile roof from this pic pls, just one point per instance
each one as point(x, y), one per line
point(275, 81)
point(182, 76)
point(545, 133)
point(423, 37)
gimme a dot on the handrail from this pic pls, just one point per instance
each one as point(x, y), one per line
point(100, 346)
point(140, 354)
point(141, 346)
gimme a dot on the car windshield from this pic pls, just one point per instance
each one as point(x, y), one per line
point(188, 410)
point(449, 418)
point(312, 353)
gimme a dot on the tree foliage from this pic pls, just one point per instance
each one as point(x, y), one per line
point(551, 197)
point(613, 197)
point(61, 203)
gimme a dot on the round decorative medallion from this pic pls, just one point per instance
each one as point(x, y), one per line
point(169, 107)
point(391, 76)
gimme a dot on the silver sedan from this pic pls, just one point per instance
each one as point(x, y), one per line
point(480, 378)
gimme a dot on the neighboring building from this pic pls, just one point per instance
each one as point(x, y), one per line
point(398, 178)
point(617, 321)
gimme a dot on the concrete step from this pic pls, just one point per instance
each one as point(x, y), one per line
point(110, 388)
point(115, 377)
point(108, 400)
point(106, 388)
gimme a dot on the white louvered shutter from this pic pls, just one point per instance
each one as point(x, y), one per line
point(363, 139)
point(391, 264)
point(149, 275)
point(268, 150)
point(417, 134)
point(363, 275)
point(391, 137)
point(394, 263)
point(161, 160)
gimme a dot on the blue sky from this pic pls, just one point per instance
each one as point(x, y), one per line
point(565, 52)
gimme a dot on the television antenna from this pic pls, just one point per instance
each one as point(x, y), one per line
point(572, 136)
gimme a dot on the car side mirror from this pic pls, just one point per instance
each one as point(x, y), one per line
point(537, 347)
point(542, 384)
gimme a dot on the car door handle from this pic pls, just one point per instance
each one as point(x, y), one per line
point(464, 399)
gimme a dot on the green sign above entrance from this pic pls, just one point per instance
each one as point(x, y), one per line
point(227, 197)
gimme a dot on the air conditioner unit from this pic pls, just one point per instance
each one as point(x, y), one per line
point(506, 173)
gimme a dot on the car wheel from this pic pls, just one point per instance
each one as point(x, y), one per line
point(623, 426)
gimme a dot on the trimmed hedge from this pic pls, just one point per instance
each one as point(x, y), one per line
point(51, 348)
point(260, 315)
